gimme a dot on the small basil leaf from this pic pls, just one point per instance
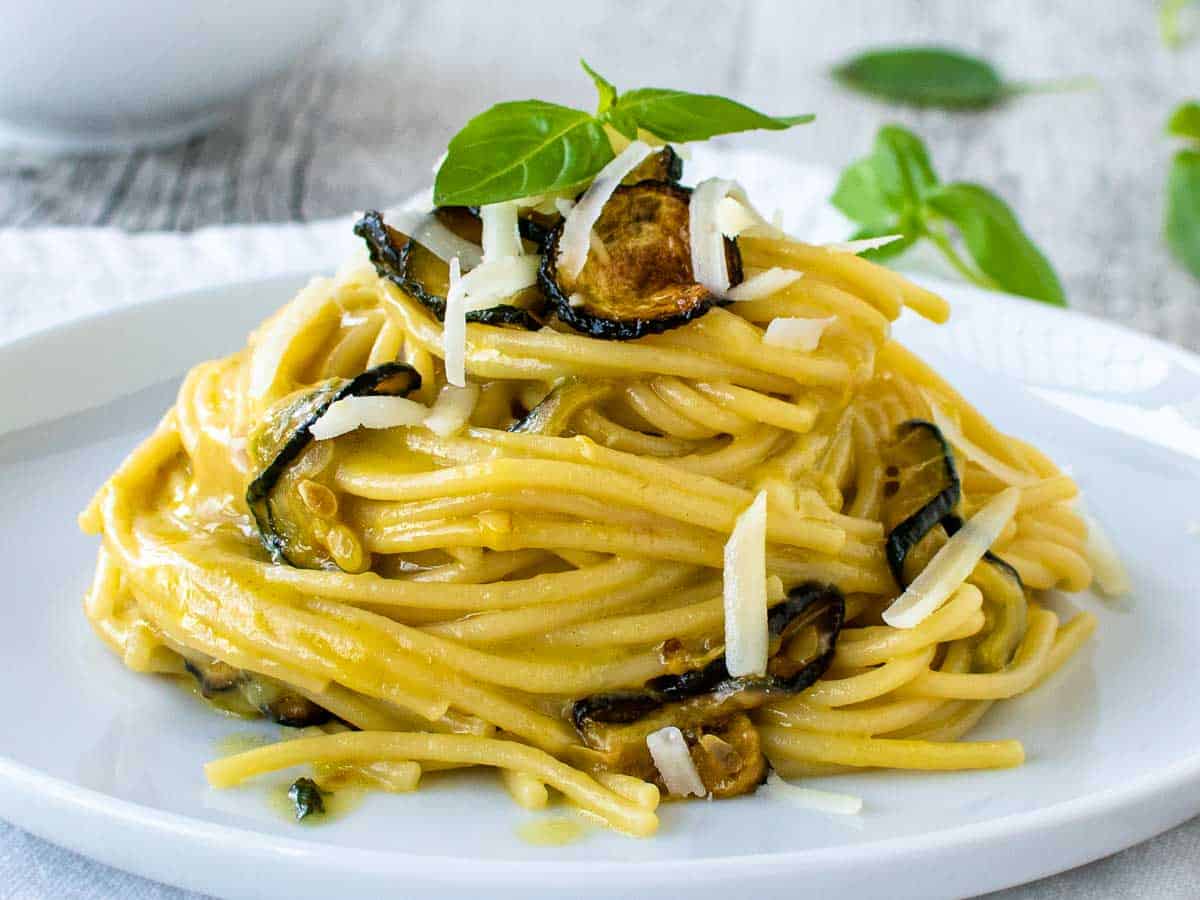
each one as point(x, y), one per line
point(924, 76)
point(996, 242)
point(679, 116)
point(1174, 33)
point(605, 90)
point(860, 196)
point(889, 184)
point(1185, 121)
point(1183, 209)
point(520, 148)
point(905, 171)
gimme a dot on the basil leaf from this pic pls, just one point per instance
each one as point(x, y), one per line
point(998, 245)
point(924, 76)
point(606, 91)
point(888, 185)
point(520, 148)
point(672, 115)
point(1183, 209)
point(1170, 12)
point(1185, 121)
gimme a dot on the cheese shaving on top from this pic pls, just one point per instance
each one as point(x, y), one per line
point(1108, 571)
point(452, 409)
point(670, 753)
point(576, 236)
point(454, 328)
point(811, 798)
point(709, 266)
point(951, 565)
point(972, 451)
point(797, 333)
point(863, 244)
point(763, 284)
point(349, 413)
point(427, 230)
point(481, 288)
point(500, 235)
point(745, 592)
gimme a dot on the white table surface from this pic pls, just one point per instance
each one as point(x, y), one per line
point(358, 125)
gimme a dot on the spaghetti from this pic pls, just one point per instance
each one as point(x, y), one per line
point(536, 585)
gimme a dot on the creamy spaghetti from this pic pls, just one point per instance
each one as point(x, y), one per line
point(536, 578)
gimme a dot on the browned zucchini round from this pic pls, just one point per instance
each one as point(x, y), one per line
point(638, 278)
point(419, 272)
point(665, 165)
point(284, 436)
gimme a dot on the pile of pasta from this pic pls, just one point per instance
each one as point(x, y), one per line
point(477, 585)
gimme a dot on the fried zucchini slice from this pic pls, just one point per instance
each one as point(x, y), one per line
point(637, 278)
point(288, 461)
point(419, 272)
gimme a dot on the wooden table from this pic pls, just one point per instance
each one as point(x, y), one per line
point(360, 123)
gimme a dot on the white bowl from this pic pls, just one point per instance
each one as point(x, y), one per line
point(103, 74)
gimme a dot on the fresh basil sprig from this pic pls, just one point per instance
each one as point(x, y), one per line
point(895, 190)
point(1183, 188)
point(937, 76)
point(1170, 25)
point(532, 147)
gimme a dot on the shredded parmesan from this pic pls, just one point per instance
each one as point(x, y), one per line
point(704, 231)
point(797, 334)
point(350, 413)
point(745, 592)
point(452, 409)
point(864, 244)
point(670, 753)
point(763, 284)
point(454, 328)
point(734, 216)
point(951, 565)
point(577, 226)
point(811, 798)
point(500, 235)
point(427, 230)
point(1108, 571)
point(972, 451)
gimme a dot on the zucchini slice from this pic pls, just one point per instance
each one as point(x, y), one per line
point(638, 278)
point(708, 705)
point(244, 693)
point(553, 415)
point(922, 487)
point(283, 440)
point(665, 165)
point(418, 271)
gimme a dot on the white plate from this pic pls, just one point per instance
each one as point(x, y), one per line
point(107, 762)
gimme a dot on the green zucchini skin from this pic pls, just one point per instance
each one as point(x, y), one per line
point(306, 798)
point(391, 379)
point(390, 258)
point(811, 602)
point(912, 530)
point(610, 328)
point(553, 414)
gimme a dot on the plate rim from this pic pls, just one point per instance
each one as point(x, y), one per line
point(20, 782)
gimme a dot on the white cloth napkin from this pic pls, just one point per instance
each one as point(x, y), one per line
point(51, 275)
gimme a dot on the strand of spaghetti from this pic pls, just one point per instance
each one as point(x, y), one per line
point(608, 433)
point(794, 300)
point(661, 416)
point(1071, 569)
point(547, 355)
point(502, 475)
point(889, 753)
point(867, 720)
point(798, 416)
point(1017, 678)
point(724, 418)
point(893, 674)
point(860, 647)
point(367, 746)
point(1067, 641)
point(491, 627)
point(739, 456)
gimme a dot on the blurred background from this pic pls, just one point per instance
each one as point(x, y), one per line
point(359, 120)
point(269, 112)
